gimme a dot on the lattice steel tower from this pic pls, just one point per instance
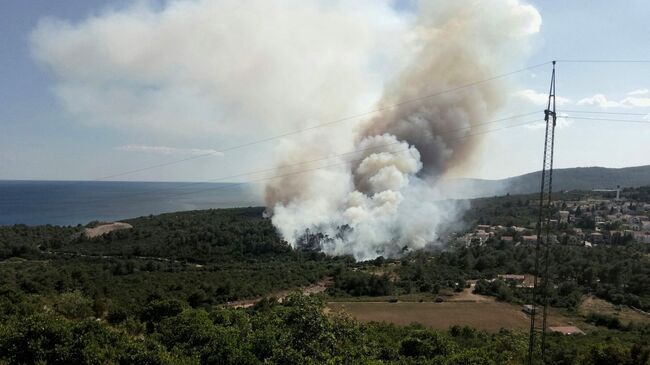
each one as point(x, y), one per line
point(541, 280)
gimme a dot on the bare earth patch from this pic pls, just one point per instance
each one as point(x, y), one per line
point(485, 315)
point(315, 288)
point(467, 295)
point(106, 228)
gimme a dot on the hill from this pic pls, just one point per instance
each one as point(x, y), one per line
point(577, 178)
point(168, 291)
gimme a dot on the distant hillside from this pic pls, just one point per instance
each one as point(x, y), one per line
point(577, 178)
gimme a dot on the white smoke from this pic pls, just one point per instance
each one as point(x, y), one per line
point(220, 67)
point(232, 68)
point(387, 200)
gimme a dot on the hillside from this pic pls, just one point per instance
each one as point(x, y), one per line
point(577, 178)
point(173, 288)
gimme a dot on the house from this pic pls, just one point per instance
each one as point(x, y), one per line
point(631, 219)
point(529, 282)
point(529, 239)
point(520, 281)
point(579, 233)
point(482, 235)
point(635, 225)
point(567, 330)
point(512, 278)
point(642, 237)
point(596, 237)
point(564, 216)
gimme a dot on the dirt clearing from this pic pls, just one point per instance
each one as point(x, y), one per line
point(106, 228)
point(485, 315)
point(315, 288)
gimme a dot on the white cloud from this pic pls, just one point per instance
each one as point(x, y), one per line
point(196, 67)
point(638, 92)
point(164, 150)
point(631, 101)
point(602, 101)
point(598, 100)
point(537, 98)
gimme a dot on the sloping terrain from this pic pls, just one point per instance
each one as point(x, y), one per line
point(577, 178)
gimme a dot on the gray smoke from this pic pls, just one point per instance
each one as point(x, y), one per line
point(385, 199)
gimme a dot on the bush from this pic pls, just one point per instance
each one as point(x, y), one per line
point(360, 284)
point(605, 320)
point(116, 316)
point(426, 344)
point(160, 309)
point(74, 305)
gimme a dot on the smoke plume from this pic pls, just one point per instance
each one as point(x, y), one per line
point(229, 71)
point(385, 199)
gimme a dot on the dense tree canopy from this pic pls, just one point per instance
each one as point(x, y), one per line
point(159, 294)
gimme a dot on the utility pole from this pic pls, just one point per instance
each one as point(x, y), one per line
point(543, 229)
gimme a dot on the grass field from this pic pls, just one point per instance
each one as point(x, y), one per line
point(624, 314)
point(486, 315)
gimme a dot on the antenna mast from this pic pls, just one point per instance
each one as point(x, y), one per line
point(541, 279)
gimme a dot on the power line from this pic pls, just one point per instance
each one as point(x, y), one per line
point(343, 119)
point(231, 185)
point(254, 172)
point(324, 158)
point(455, 139)
point(312, 169)
point(603, 112)
point(603, 61)
point(296, 132)
point(442, 133)
point(317, 160)
point(610, 120)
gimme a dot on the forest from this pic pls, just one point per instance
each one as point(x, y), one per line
point(159, 293)
point(168, 331)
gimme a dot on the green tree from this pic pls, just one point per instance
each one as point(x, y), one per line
point(74, 305)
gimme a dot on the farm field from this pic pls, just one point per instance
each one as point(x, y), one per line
point(485, 315)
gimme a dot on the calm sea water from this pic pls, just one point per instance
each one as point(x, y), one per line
point(76, 202)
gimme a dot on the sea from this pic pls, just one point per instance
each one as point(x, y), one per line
point(79, 202)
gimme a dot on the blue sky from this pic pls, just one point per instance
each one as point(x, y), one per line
point(42, 139)
point(38, 138)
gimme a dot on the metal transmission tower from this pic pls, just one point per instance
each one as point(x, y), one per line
point(541, 278)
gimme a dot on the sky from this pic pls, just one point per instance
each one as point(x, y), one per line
point(92, 88)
